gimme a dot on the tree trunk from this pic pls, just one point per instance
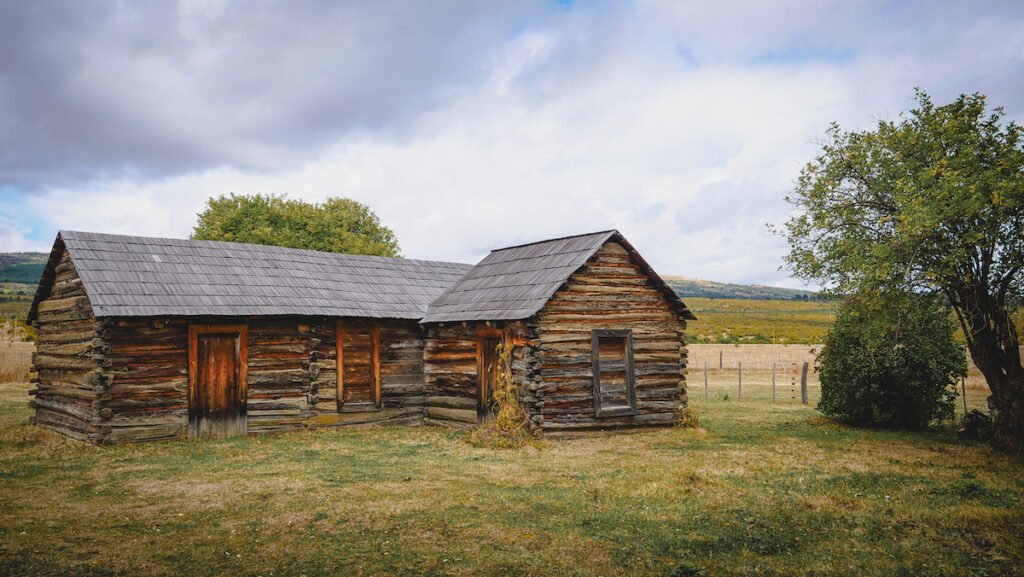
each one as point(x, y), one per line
point(992, 342)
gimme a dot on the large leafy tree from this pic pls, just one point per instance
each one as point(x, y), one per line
point(336, 225)
point(931, 202)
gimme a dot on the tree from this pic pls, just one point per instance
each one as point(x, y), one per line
point(891, 362)
point(933, 202)
point(336, 225)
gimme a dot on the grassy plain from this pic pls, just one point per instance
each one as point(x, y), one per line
point(750, 321)
point(761, 489)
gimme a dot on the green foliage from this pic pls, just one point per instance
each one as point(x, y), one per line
point(934, 198)
point(932, 203)
point(336, 225)
point(508, 429)
point(22, 267)
point(893, 365)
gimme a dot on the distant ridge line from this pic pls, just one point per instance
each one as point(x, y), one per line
point(693, 287)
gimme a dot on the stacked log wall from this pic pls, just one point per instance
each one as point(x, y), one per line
point(610, 292)
point(147, 371)
point(68, 388)
point(279, 380)
point(401, 375)
point(450, 370)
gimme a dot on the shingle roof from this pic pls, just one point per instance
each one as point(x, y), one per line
point(140, 276)
point(516, 282)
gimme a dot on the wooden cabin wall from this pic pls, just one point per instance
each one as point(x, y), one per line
point(401, 374)
point(69, 392)
point(279, 375)
point(610, 292)
point(147, 372)
point(450, 371)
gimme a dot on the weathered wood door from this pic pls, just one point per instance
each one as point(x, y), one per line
point(358, 360)
point(217, 381)
point(488, 364)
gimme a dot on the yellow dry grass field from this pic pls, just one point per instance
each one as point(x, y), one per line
point(15, 360)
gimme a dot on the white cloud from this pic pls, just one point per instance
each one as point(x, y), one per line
point(595, 122)
point(14, 238)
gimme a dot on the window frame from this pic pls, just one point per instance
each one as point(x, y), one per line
point(375, 393)
point(595, 354)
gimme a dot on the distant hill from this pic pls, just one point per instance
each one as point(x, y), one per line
point(693, 287)
point(22, 267)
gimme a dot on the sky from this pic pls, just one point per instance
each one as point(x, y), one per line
point(470, 125)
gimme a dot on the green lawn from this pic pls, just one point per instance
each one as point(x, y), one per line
point(761, 490)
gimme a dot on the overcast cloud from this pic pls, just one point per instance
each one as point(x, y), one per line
point(469, 125)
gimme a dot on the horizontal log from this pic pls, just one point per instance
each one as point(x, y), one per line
point(64, 304)
point(451, 414)
point(454, 402)
point(80, 409)
point(44, 361)
point(334, 419)
point(295, 376)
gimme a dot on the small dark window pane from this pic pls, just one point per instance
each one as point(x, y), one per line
point(614, 392)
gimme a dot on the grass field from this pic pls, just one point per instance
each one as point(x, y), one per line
point(750, 321)
point(760, 490)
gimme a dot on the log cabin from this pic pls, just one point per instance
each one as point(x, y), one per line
point(600, 338)
point(146, 339)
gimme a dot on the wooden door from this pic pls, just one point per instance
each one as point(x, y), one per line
point(217, 375)
point(487, 374)
point(358, 364)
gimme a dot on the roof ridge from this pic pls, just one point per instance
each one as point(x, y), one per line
point(594, 233)
point(251, 245)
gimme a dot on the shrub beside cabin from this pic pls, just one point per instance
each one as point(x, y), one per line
point(145, 339)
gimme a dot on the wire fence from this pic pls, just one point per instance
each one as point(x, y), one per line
point(775, 373)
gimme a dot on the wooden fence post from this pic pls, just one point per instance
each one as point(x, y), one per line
point(803, 384)
point(720, 360)
point(705, 380)
point(773, 382)
point(739, 365)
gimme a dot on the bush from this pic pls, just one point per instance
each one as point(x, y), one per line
point(891, 362)
point(689, 419)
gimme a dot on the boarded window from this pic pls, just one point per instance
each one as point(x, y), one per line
point(358, 365)
point(614, 385)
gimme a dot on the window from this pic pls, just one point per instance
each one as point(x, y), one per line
point(358, 366)
point(614, 388)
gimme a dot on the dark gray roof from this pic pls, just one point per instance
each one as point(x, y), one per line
point(516, 282)
point(138, 276)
